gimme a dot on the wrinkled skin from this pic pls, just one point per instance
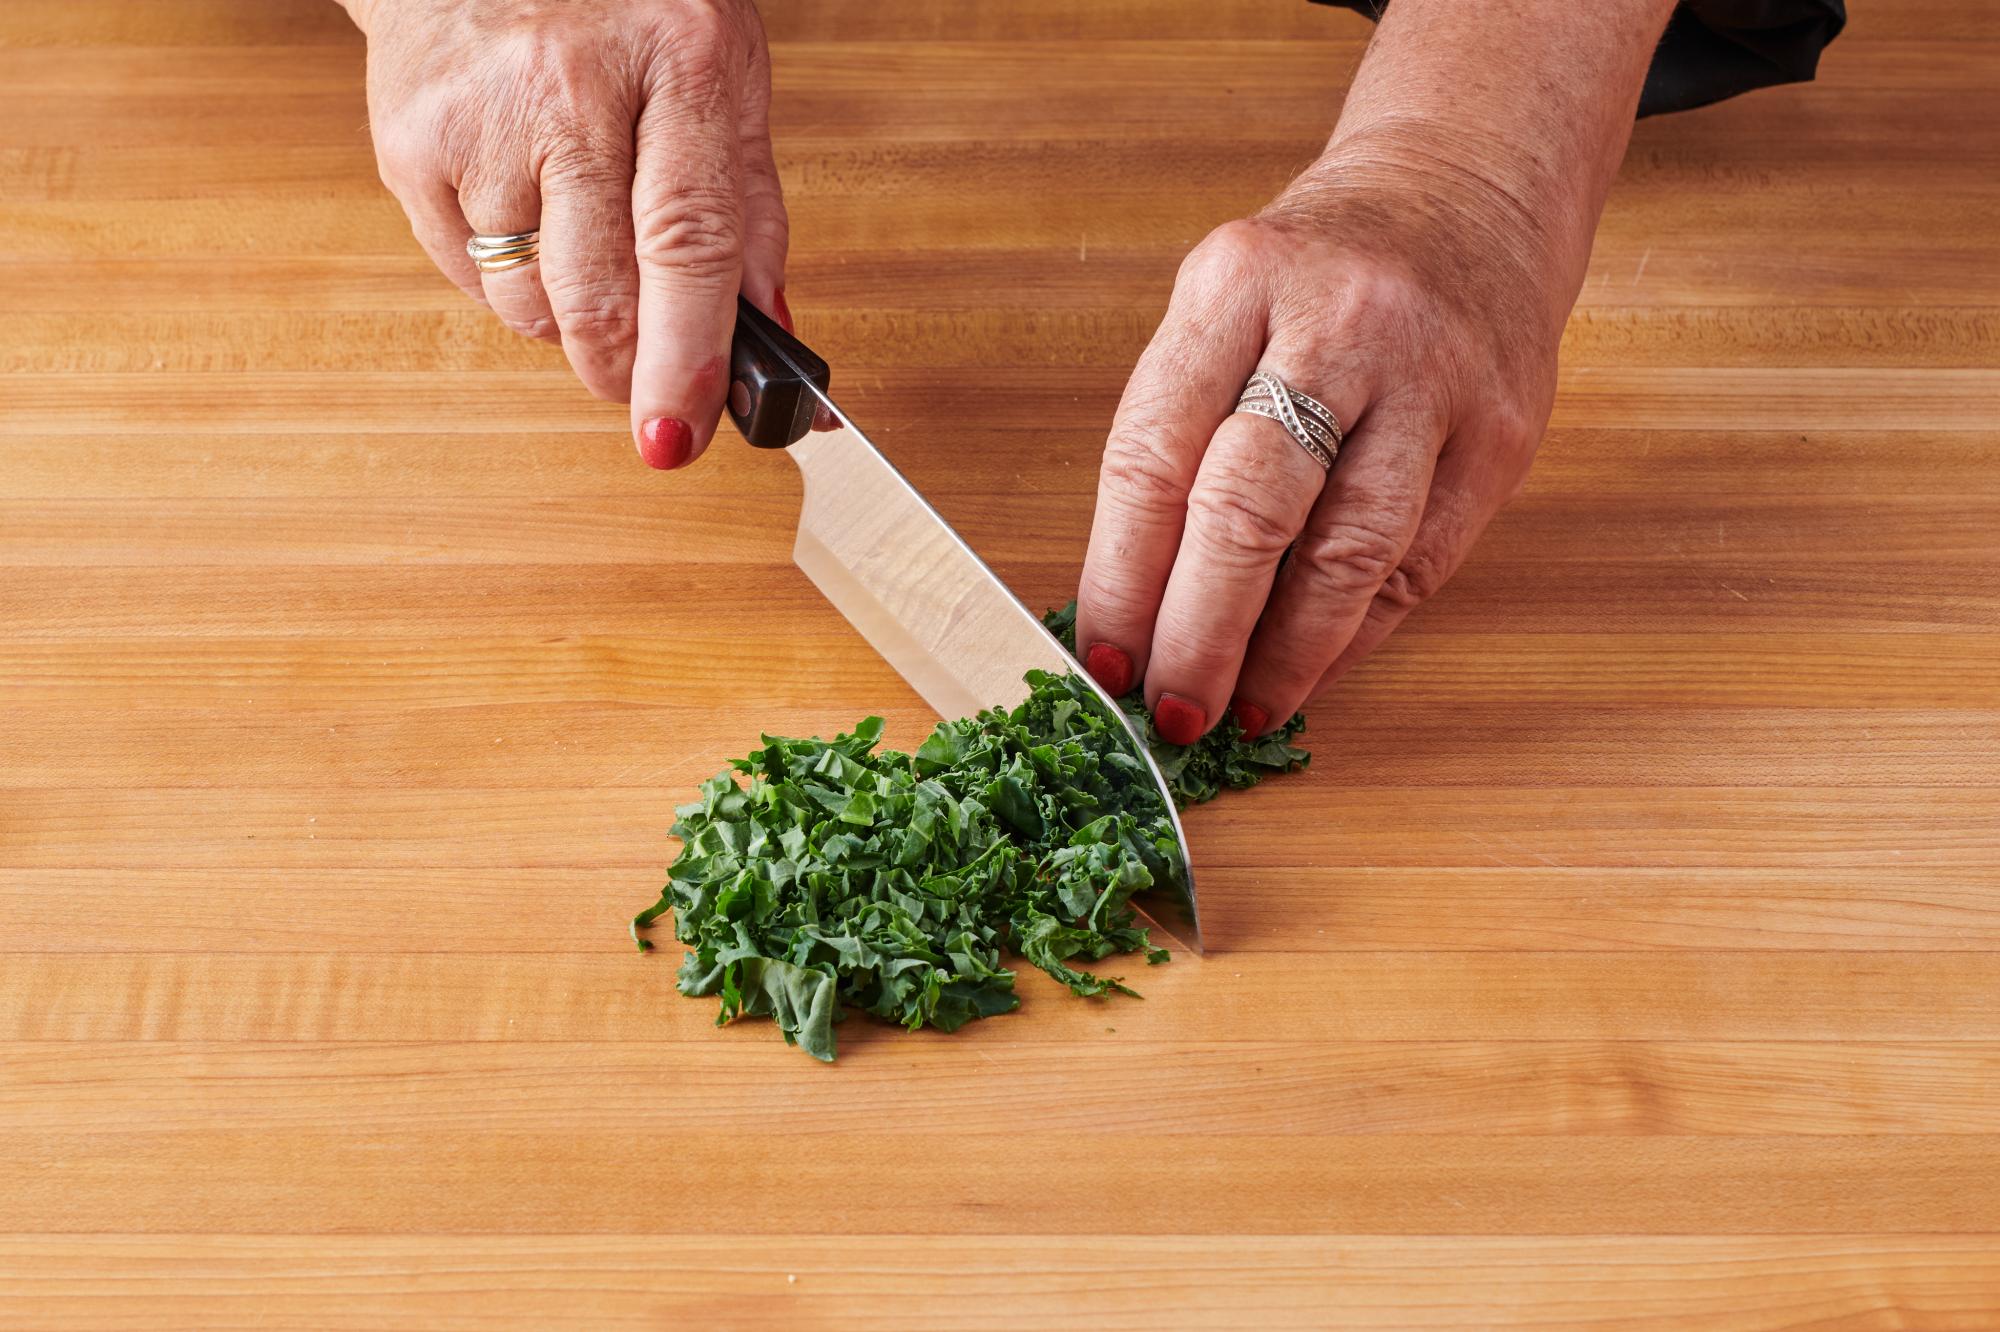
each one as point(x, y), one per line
point(1420, 308)
point(634, 135)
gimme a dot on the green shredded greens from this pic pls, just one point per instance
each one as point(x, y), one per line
point(843, 876)
point(1225, 757)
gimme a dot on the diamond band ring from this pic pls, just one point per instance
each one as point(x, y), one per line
point(1305, 419)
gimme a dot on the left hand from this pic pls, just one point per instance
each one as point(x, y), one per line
point(1423, 305)
point(633, 137)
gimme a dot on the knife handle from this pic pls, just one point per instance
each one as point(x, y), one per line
point(769, 371)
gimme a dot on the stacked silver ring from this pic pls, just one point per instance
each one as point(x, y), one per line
point(1305, 419)
point(497, 254)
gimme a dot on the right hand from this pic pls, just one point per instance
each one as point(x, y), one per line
point(634, 135)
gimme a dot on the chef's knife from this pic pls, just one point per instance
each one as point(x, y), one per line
point(899, 573)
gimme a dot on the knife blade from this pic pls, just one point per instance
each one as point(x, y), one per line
point(901, 575)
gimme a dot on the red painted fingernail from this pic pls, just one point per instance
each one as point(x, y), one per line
point(1111, 668)
point(1178, 721)
point(665, 442)
point(823, 418)
point(1253, 719)
point(783, 311)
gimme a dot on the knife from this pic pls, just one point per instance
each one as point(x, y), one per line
point(903, 578)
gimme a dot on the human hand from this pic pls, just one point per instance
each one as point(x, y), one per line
point(633, 134)
point(1422, 304)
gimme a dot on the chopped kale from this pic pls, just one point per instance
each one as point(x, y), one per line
point(1225, 757)
point(846, 876)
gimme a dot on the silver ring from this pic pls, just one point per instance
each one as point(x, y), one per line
point(497, 254)
point(1305, 419)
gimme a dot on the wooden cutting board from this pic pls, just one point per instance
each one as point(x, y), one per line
point(1627, 958)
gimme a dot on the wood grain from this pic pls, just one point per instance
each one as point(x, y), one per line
point(579, 1181)
point(1120, 1282)
point(1628, 958)
point(1307, 1086)
point(1370, 909)
point(1485, 995)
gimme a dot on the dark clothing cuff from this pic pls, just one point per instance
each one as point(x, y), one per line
point(1714, 49)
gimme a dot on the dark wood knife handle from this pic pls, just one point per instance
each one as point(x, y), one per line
point(769, 371)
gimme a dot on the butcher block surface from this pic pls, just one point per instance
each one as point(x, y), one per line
point(1629, 956)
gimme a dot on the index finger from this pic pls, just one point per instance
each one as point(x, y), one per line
point(687, 211)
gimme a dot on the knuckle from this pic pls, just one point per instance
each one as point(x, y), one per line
point(1416, 579)
point(1140, 475)
point(707, 25)
point(1226, 258)
point(1196, 641)
point(770, 234)
point(1516, 431)
point(765, 220)
point(1113, 600)
point(580, 159)
point(404, 150)
point(703, 54)
point(1375, 292)
point(693, 231)
point(552, 58)
point(537, 64)
point(535, 41)
point(1505, 438)
point(1360, 311)
point(466, 135)
point(609, 324)
point(1234, 518)
point(539, 326)
point(569, 105)
point(1351, 559)
point(416, 138)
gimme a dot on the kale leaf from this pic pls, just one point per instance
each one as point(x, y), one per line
point(846, 876)
point(1225, 757)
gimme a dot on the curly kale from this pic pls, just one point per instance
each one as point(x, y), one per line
point(1225, 757)
point(843, 876)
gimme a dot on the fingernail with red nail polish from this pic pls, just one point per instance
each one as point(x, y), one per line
point(1110, 667)
point(823, 418)
point(1178, 721)
point(1253, 719)
point(665, 442)
point(783, 311)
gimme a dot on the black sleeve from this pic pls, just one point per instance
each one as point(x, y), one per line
point(1714, 49)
